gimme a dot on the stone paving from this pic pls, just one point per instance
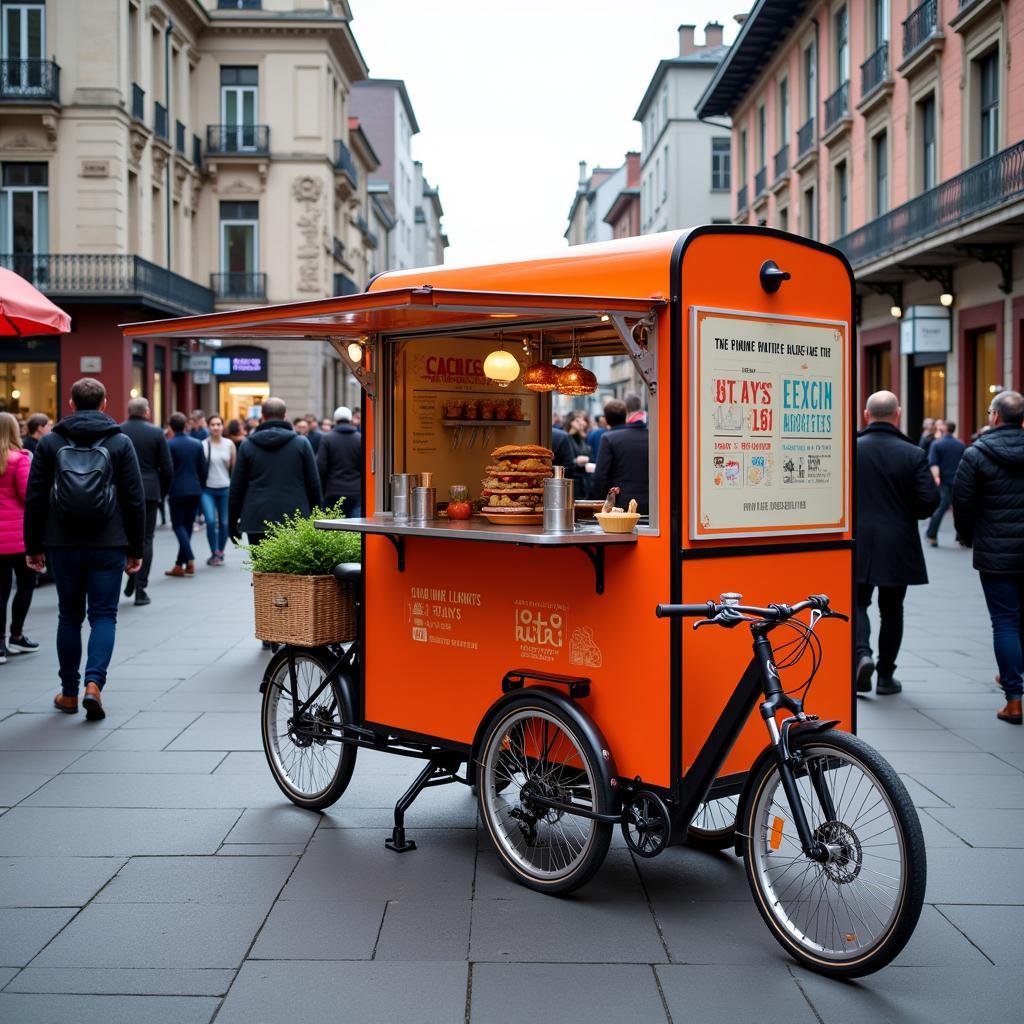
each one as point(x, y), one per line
point(151, 871)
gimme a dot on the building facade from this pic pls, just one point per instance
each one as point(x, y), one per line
point(896, 133)
point(169, 157)
point(684, 162)
point(595, 194)
point(429, 239)
point(623, 216)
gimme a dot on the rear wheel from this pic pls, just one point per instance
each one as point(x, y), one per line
point(714, 825)
point(535, 752)
point(309, 764)
point(852, 914)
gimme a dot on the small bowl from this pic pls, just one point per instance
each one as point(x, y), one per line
point(617, 522)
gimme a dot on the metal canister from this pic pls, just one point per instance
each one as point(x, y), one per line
point(558, 503)
point(424, 501)
point(401, 493)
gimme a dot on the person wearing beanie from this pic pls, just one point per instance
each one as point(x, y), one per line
point(339, 460)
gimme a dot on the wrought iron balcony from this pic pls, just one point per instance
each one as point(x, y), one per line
point(343, 161)
point(920, 26)
point(782, 162)
point(247, 285)
point(338, 250)
point(986, 185)
point(344, 285)
point(160, 128)
point(805, 138)
point(875, 70)
point(179, 137)
point(237, 138)
point(760, 181)
point(110, 275)
point(742, 200)
point(30, 80)
point(197, 151)
point(837, 106)
point(138, 102)
point(239, 5)
point(364, 228)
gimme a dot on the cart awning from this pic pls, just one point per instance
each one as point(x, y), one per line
point(395, 311)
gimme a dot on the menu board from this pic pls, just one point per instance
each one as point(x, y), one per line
point(769, 425)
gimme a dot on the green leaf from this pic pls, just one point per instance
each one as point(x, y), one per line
point(296, 547)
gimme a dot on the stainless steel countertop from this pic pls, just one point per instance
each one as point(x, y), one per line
point(479, 530)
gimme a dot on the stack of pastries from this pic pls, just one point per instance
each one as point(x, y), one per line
point(515, 479)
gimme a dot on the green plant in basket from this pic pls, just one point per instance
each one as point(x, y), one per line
point(296, 547)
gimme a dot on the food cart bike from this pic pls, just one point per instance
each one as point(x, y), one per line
point(554, 672)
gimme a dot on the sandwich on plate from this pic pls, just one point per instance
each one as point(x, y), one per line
point(515, 479)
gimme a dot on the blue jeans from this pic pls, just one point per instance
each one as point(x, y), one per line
point(215, 511)
point(1004, 595)
point(945, 500)
point(183, 515)
point(85, 577)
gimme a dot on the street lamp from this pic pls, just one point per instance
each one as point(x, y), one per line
point(946, 298)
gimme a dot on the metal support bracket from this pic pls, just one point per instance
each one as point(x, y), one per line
point(894, 289)
point(640, 340)
point(942, 276)
point(367, 378)
point(399, 545)
point(1000, 255)
point(595, 552)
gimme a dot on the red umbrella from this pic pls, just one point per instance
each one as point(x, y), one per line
point(24, 310)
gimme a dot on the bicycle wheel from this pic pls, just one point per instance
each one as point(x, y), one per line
point(312, 768)
point(714, 825)
point(534, 749)
point(851, 915)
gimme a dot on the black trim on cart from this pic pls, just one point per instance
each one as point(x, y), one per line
point(515, 679)
point(793, 548)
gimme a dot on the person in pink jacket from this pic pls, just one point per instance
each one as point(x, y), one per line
point(14, 466)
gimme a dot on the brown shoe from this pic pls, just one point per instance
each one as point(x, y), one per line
point(1011, 713)
point(92, 703)
point(190, 568)
point(178, 570)
point(69, 705)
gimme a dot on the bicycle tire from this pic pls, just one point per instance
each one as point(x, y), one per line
point(713, 839)
point(831, 750)
point(311, 666)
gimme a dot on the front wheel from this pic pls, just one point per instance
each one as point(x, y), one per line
point(852, 914)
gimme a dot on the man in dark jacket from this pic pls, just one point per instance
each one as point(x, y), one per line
point(622, 460)
point(275, 475)
point(187, 481)
point(91, 525)
point(943, 459)
point(155, 464)
point(894, 490)
point(988, 511)
point(339, 461)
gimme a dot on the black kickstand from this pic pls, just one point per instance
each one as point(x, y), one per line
point(398, 842)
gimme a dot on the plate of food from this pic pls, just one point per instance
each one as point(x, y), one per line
point(513, 518)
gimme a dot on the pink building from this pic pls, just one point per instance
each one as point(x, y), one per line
point(894, 130)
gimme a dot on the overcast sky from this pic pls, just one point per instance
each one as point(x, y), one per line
point(510, 97)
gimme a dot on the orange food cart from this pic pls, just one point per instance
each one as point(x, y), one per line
point(542, 663)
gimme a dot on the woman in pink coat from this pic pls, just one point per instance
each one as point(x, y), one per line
point(14, 464)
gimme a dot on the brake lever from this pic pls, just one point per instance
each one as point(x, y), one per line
point(726, 617)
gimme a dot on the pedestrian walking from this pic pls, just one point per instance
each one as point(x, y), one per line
point(156, 468)
point(928, 428)
point(577, 426)
point(235, 433)
point(894, 490)
point(313, 431)
point(220, 459)
point(14, 470)
point(623, 459)
point(187, 482)
point(275, 476)
point(943, 459)
point(988, 511)
point(37, 426)
point(86, 509)
point(198, 428)
point(339, 462)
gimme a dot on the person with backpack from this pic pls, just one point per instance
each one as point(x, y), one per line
point(187, 482)
point(85, 514)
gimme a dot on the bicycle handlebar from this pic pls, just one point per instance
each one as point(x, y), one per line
point(774, 612)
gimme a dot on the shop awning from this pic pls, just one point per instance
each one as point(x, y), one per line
point(396, 311)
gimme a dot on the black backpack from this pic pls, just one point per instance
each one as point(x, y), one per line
point(83, 496)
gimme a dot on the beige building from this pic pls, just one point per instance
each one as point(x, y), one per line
point(168, 157)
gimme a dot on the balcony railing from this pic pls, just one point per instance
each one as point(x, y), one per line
point(343, 161)
point(344, 285)
point(160, 128)
point(760, 181)
point(138, 102)
point(986, 185)
point(338, 250)
point(237, 138)
point(239, 285)
point(239, 5)
point(364, 229)
point(179, 137)
point(742, 199)
point(782, 162)
point(837, 106)
point(31, 80)
point(197, 151)
point(875, 70)
point(103, 275)
point(922, 23)
point(805, 138)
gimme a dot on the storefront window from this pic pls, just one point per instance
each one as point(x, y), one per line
point(985, 375)
point(157, 401)
point(26, 388)
point(879, 368)
point(934, 391)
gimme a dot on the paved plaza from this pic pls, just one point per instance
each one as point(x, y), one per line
point(151, 871)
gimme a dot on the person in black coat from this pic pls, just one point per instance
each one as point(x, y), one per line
point(622, 460)
point(187, 481)
point(275, 476)
point(988, 511)
point(894, 490)
point(339, 460)
point(155, 465)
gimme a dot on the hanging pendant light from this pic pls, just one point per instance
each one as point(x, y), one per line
point(500, 366)
point(574, 378)
point(542, 375)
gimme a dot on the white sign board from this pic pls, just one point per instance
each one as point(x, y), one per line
point(200, 363)
point(926, 329)
point(200, 376)
point(90, 364)
point(769, 425)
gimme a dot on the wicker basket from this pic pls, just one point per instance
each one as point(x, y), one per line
point(303, 610)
